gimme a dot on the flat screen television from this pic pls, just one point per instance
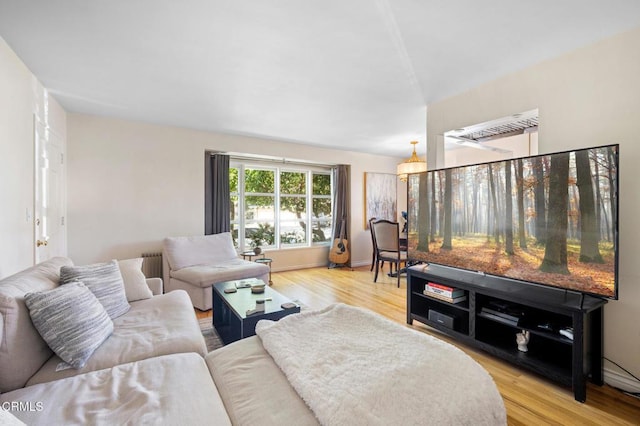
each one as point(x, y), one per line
point(547, 219)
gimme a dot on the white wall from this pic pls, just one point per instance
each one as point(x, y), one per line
point(22, 97)
point(586, 98)
point(131, 184)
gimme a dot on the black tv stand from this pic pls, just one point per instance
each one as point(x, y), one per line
point(496, 309)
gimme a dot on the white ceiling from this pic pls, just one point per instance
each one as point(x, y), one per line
point(347, 74)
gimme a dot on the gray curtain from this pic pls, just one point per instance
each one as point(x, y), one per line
point(342, 201)
point(217, 201)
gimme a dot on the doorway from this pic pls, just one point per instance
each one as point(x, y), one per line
point(49, 198)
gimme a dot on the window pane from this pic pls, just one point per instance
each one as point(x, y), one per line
point(234, 234)
point(259, 234)
point(321, 220)
point(233, 180)
point(259, 181)
point(293, 183)
point(293, 226)
point(321, 207)
point(234, 208)
point(321, 184)
point(259, 208)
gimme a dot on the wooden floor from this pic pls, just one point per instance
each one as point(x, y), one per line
point(529, 399)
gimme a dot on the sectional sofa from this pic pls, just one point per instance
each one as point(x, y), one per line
point(149, 370)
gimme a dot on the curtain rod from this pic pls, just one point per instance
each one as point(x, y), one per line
point(266, 159)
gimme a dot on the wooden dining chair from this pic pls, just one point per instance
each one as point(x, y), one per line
point(373, 243)
point(387, 246)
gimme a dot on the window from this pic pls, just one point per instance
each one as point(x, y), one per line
point(293, 208)
point(322, 209)
point(279, 207)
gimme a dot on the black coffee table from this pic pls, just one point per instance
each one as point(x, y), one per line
point(230, 317)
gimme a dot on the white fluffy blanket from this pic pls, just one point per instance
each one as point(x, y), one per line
point(354, 367)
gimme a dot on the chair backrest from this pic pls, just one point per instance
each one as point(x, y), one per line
point(387, 237)
point(373, 235)
point(182, 252)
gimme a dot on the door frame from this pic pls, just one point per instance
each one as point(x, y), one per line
point(50, 135)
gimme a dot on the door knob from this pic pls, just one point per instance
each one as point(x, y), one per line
point(41, 243)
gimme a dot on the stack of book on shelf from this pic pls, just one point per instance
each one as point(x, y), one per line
point(445, 293)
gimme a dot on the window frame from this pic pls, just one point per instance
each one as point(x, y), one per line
point(309, 170)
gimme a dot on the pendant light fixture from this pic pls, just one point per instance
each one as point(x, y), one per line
point(411, 165)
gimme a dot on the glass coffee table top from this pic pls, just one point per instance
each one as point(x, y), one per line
point(243, 300)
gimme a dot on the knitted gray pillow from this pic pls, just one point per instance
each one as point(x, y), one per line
point(71, 320)
point(105, 282)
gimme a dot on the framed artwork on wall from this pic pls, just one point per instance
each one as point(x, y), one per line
point(380, 197)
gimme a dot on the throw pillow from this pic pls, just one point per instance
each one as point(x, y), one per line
point(71, 320)
point(135, 283)
point(105, 282)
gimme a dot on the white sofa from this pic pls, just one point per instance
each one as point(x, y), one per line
point(154, 353)
point(194, 264)
point(151, 370)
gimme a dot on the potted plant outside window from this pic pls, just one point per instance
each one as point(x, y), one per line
point(262, 235)
point(256, 241)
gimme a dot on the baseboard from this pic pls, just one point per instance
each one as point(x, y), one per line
point(304, 266)
point(317, 265)
point(621, 381)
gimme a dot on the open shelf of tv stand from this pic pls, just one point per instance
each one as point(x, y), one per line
point(497, 309)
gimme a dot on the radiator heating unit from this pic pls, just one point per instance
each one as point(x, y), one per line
point(152, 265)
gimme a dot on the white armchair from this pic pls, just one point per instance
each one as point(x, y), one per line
point(195, 263)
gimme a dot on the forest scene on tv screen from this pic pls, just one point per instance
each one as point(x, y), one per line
point(549, 219)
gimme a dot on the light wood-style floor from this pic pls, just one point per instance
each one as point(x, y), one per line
point(529, 399)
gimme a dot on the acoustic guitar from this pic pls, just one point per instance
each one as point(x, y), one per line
point(339, 252)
